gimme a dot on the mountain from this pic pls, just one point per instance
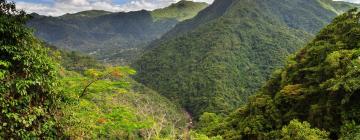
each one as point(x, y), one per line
point(112, 109)
point(213, 62)
point(85, 14)
point(112, 37)
point(319, 85)
point(180, 11)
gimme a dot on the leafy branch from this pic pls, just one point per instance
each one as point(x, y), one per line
point(109, 73)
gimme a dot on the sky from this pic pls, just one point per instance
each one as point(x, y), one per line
point(61, 7)
point(353, 1)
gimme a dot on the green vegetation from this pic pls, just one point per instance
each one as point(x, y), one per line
point(116, 107)
point(197, 136)
point(180, 11)
point(208, 122)
point(28, 81)
point(318, 85)
point(228, 51)
point(74, 61)
point(350, 131)
point(302, 131)
point(40, 99)
point(211, 65)
point(85, 14)
point(113, 106)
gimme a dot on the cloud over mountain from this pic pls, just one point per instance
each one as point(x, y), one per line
point(60, 7)
point(353, 1)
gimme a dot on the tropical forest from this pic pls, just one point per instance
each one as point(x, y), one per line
point(179, 70)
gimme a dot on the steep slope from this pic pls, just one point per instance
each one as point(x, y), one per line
point(85, 14)
point(214, 11)
point(114, 37)
point(320, 85)
point(226, 53)
point(112, 109)
point(180, 11)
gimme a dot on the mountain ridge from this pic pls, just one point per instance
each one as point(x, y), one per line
point(111, 37)
point(319, 84)
point(223, 59)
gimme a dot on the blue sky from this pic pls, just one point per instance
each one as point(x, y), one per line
point(60, 7)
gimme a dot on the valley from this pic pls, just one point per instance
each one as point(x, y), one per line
point(225, 70)
point(222, 60)
point(116, 38)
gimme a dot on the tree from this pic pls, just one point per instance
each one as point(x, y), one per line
point(302, 131)
point(208, 122)
point(350, 131)
point(28, 75)
point(199, 136)
point(108, 73)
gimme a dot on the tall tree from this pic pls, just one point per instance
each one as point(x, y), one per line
point(27, 79)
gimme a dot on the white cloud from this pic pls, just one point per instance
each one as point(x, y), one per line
point(353, 1)
point(60, 7)
point(207, 1)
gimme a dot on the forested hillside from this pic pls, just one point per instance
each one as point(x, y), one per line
point(111, 37)
point(319, 84)
point(237, 70)
point(180, 11)
point(113, 106)
point(116, 108)
point(213, 62)
point(47, 93)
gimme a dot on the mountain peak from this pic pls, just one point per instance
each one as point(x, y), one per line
point(186, 3)
point(86, 14)
point(233, 45)
point(180, 11)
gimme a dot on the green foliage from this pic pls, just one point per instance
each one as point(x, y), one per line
point(115, 107)
point(213, 62)
point(198, 136)
point(113, 37)
point(85, 14)
point(90, 118)
point(302, 131)
point(208, 122)
point(3, 72)
point(256, 120)
point(113, 73)
point(28, 94)
point(180, 11)
point(350, 131)
point(75, 61)
point(319, 85)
